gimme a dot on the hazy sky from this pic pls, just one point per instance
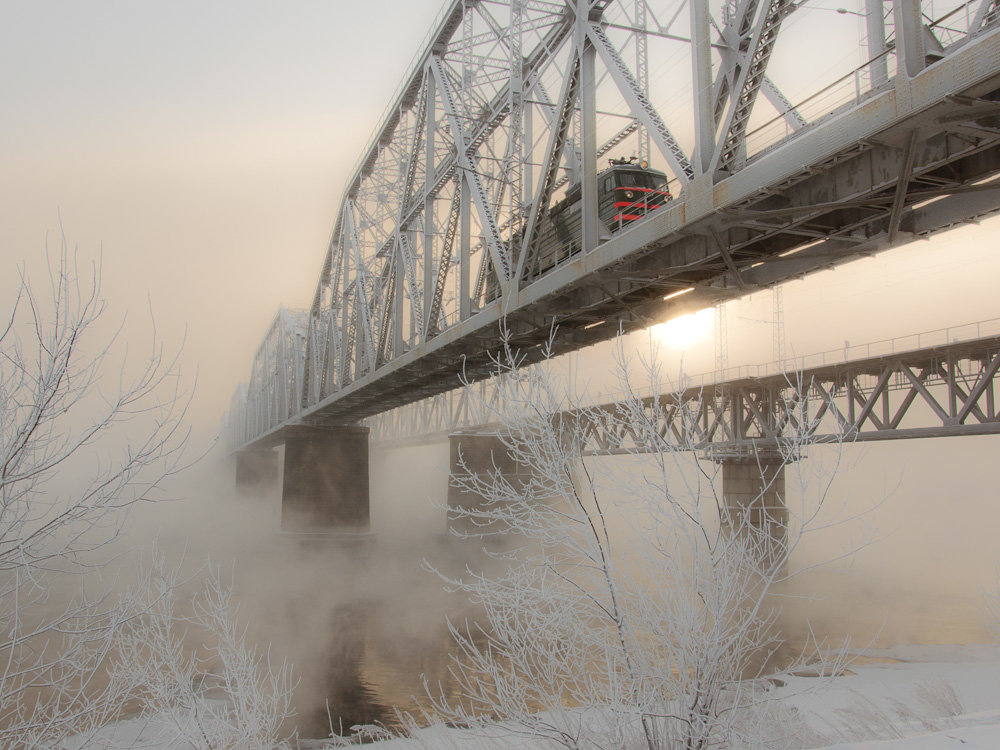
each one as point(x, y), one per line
point(202, 148)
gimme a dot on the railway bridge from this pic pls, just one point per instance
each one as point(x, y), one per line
point(793, 138)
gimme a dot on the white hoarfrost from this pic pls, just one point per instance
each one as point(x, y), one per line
point(901, 698)
point(85, 433)
point(630, 603)
point(221, 693)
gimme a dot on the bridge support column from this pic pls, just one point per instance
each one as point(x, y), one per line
point(482, 455)
point(325, 484)
point(256, 470)
point(753, 490)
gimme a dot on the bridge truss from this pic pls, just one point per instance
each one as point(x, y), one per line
point(941, 392)
point(787, 152)
point(946, 387)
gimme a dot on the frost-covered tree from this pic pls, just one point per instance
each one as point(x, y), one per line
point(193, 678)
point(85, 433)
point(629, 607)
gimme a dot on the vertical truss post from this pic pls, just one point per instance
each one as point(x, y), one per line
point(347, 340)
point(574, 141)
point(397, 307)
point(331, 363)
point(465, 162)
point(282, 369)
point(588, 126)
point(909, 36)
point(464, 249)
point(701, 59)
point(778, 344)
point(875, 33)
point(468, 29)
point(527, 151)
point(338, 301)
point(358, 345)
point(364, 360)
point(642, 72)
point(721, 341)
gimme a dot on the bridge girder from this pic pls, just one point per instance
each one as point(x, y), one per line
point(944, 389)
point(473, 150)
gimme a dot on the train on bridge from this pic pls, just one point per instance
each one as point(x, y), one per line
point(495, 136)
point(626, 192)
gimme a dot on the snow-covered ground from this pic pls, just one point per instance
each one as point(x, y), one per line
point(899, 698)
point(906, 697)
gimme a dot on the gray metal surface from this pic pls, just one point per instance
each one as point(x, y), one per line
point(511, 102)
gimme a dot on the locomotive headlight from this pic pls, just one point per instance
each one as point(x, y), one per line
point(629, 194)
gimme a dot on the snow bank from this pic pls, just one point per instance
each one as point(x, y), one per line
point(900, 698)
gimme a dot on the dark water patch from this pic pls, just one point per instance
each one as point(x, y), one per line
point(385, 631)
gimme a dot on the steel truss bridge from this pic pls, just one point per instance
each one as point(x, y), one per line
point(937, 384)
point(790, 147)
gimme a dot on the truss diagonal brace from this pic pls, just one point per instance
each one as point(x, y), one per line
point(444, 264)
point(640, 105)
point(985, 379)
point(902, 185)
point(753, 66)
point(362, 303)
point(381, 355)
point(728, 259)
point(553, 157)
point(785, 108)
point(496, 246)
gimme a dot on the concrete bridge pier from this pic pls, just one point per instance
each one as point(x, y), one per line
point(482, 454)
point(753, 490)
point(325, 484)
point(256, 471)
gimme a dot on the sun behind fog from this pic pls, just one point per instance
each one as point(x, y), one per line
point(686, 330)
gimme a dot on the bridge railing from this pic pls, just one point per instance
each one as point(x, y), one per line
point(831, 357)
point(846, 91)
point(950, 25)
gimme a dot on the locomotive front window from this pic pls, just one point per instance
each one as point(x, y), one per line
point(636, 179)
